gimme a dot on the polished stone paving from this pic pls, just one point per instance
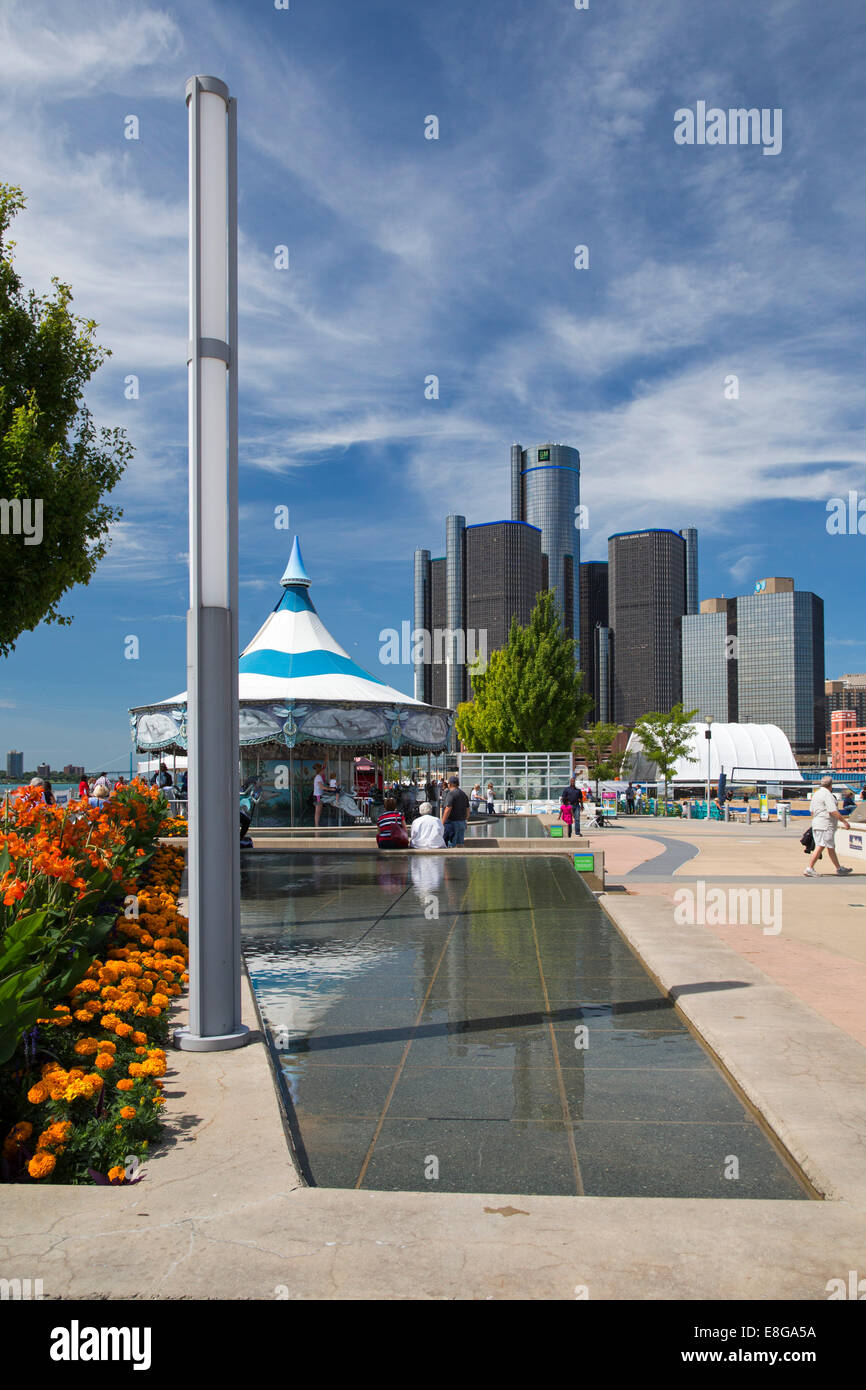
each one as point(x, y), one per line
point(480, 1026)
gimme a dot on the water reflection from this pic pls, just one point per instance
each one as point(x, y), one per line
point(485, 1011)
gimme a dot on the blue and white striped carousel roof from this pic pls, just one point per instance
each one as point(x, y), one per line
point(294, 657)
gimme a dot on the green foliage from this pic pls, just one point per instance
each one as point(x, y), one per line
point(592, 746)
point(530, 698)
point(665, 738)
point(50, 450)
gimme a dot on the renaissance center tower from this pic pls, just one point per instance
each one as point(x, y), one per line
point(545, 492)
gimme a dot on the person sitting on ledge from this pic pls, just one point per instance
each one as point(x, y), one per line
point(426, 831)
point(391, 833)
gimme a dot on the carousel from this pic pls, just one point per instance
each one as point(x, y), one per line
point(305, 707)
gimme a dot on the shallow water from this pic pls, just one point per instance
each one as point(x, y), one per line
point(481, 1026)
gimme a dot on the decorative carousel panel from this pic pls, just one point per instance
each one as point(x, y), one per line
point(344, 726)
point(258, 726)
point(431, 729)
point(157, 730)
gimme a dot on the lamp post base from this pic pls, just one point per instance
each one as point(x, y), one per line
point(222, 1042)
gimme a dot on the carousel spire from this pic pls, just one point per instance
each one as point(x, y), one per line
point(295, 573)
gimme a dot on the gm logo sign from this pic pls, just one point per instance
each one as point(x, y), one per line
point(855, 842)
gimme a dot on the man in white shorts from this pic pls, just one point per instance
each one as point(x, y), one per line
point(825, 814)
point(318, 791)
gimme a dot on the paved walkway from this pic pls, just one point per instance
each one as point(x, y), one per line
point(224, 1214)
point(819, 953)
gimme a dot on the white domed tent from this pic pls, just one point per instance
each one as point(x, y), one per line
point(298, 688)
point(744, 752)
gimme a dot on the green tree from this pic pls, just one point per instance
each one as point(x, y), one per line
point(530, 698)
point(665, 738)
point(55, 465)
point(593, 746)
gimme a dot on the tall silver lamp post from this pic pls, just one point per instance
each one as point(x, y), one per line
point(708, 735)
point(212, 621)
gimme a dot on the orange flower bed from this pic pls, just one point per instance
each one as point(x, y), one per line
point(90, 1111)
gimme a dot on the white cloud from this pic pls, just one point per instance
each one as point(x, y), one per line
point(73, 51)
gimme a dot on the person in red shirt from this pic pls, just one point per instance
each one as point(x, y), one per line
point(392, 833)
point(84, 788)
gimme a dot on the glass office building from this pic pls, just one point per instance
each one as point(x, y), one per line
point(593, 615)
point(759, 659)
point(690, 536)
point(490, 574)
point(545, 492)
point(423, 616)
point(646, 602)
point(706, 666)
point(780, 658)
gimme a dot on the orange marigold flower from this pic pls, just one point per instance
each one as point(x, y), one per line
point(139, 1038)
point(123, 1030)
point(128, 1112)
point(42, 1165)
point(135, 1069)
point(104, 1060)
point(126, 1084)
point(85, 1046)
point(116, 1174)
point(18, 1135)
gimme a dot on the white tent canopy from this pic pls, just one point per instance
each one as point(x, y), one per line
point(750, 752)
point(297, 685)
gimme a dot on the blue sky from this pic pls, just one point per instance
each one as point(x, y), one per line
point(455, 257)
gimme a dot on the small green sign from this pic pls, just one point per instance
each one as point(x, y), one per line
point(544, 456)
point(556, 832)
point(584, 863)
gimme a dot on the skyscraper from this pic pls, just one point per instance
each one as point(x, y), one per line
point(545, 492)
point(455, 575)
point(423, 619)
point(708, 661)
point(593, 615)
point(14, 764)
point(647, 596)
point(780, 659)
point(489, 574)
point(690, 536)
point(759, 659)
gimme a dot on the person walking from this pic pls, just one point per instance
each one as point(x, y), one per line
point(454, 812)
point(629, 798)
point(491, 800)
point(573, 797)
point(566, 815)
point(475, 798)
point(825, 814)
